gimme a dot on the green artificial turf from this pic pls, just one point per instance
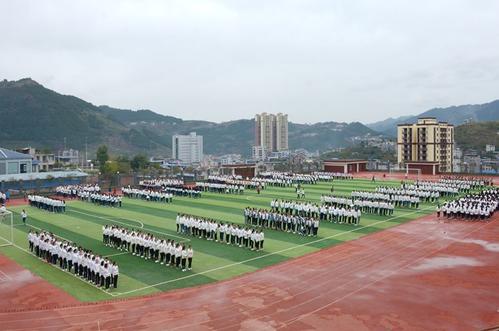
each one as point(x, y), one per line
point(82, 223)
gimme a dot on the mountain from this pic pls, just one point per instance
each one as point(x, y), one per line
point(34, 115)
point(39, 117)
point(238, 136)
point(474, 136)
point(456, 115)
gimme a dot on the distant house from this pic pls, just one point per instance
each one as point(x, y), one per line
point(46, 161)
point(13, 163)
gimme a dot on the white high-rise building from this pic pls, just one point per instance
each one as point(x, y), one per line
point(281, 132)
point(271, 133)
point(187, 148)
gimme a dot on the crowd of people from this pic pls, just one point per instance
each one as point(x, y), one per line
point(48, 204)
point(330, 176)
point(302, 225)
point(220, 188)
point(398, 200)
point(474, 183)
point(218, 231)
point(411, 190)
point(109, 200)
point(234, 180)
point(381, 208)
point(183, 192)
point(298, 208)
point(71, 191)
point(478, 206)
point(148, 247)
point(290, 177)
point(161, 183)
point(146, 194)
point(94, 268)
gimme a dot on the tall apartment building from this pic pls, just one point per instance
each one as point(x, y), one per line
point(187, 148)
point(271, 132)
point(426, 141)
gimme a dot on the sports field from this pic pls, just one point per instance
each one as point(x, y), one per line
point(82, 223)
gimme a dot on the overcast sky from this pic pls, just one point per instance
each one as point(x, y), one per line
point(224, 60)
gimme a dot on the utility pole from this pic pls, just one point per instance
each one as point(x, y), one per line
point(86, 153)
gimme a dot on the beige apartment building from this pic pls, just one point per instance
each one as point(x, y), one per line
point(426, 141)
point(271, 132)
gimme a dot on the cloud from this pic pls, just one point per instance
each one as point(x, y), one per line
point(222, 60)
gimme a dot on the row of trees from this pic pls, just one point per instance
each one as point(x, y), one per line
point(121, 164)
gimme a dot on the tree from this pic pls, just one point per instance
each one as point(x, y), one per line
point(102, 156)
point(139, 162)
point(123, 164)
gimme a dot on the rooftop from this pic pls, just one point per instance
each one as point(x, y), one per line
point(7, 154)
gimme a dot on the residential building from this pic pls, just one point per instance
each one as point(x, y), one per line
point(271, 132)
point(471, 162)
point(258, 153)
point(14, 163)
point(490, 148)
point(46, 161)
point(187, 148)
point(68, 157)
point(426, 141)
point(281, 132)
point(231, 159)
point(457, 160)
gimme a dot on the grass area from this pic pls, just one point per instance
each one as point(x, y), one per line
point(82, 223)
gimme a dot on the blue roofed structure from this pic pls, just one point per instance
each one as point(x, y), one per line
point(13, 163)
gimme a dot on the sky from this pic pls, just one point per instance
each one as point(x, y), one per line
point(224, 60)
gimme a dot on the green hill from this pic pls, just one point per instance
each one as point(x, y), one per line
point(39, 117)
point(456, 115)
point(34, 115)
point(476, 135)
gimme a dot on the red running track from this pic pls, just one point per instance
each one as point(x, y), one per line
point(427, 274)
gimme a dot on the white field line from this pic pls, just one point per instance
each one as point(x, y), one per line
point(5, 275)
point(391, 273)
point(266, 255)
point(148, 230)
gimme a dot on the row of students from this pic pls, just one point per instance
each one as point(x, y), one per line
point(148, 195)
point(398, 200)
point(443, 189)
point(220, 188)
point(424, 195)
point(109, 200)
point(218, 231)
point(94, 268)
point(233, 180)
point(331, 176)
point(71, 191)
point(277, 182)
point(161, 183)
point(474, 182)
point(289, 176)
point(52, 205)
point(183, 192)
point(472, 207)
point(299, 208)
point(381, 208)
point(281, 222)
point(149, 247)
